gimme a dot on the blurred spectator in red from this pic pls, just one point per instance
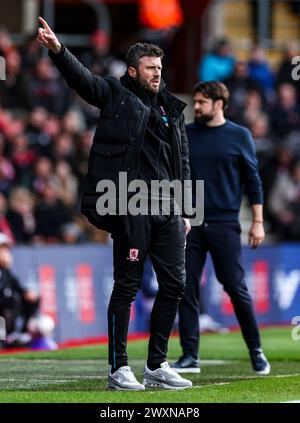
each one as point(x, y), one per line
point(10, 126)
point(20, 214)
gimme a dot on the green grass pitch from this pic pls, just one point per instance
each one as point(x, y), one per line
point(79, 374)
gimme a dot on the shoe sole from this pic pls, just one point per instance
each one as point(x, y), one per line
point(162, 385)
point(119, 388)
point(263, 372)
point(187, 370)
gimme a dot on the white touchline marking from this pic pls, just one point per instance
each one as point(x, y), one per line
point(36, 382)
point(285, 402)
point(256, 377)
point(215, 362)
point(212, 384)
point(47, 361)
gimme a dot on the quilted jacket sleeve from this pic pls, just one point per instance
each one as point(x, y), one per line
point(92, 88)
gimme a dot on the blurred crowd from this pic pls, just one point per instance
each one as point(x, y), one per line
point(268, 103)
point(46, 132)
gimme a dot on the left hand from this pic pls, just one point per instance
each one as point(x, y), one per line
point(256, 235)
point(187, 225)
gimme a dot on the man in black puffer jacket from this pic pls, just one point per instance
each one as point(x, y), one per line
point(140, 132)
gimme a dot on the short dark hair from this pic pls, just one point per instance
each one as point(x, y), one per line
point(214, 90)
point(139, 50)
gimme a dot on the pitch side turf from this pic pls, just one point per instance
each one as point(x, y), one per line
point(79, 374)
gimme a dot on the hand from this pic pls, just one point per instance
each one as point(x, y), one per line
point(256, 235)
point(31, 296)
point(187, 225)
point(47, 38)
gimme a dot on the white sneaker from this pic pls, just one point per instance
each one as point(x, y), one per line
point(208, 324)
point(165, 377)
point(123, 379)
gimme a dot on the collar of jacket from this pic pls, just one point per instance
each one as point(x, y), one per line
point(173, 105)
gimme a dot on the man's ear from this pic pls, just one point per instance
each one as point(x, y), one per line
point(132, 72)
point(220, 104)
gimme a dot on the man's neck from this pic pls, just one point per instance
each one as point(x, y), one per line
point(216, 121)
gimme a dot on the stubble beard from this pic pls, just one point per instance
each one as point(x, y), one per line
point(146, 85)
point(203, 119)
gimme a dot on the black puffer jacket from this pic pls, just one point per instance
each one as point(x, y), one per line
point(120, 130)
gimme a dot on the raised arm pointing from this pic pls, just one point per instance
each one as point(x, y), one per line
point(92, 88)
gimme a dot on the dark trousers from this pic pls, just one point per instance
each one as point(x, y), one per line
point(222, 241)
point(162, 237)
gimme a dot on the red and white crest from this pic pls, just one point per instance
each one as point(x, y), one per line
point(133, 254)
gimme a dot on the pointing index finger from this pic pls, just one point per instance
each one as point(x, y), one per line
point(44, 23)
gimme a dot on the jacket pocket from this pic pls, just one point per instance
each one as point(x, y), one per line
point(107, 160)
point(108, 150)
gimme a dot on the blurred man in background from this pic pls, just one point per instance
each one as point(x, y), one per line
point(17, 304)
point(222, 154)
